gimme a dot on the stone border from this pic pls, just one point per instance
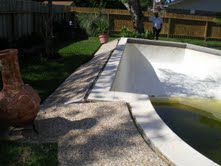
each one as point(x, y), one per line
point(155, 131)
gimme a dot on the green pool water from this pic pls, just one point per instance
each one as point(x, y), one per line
point(197, 127)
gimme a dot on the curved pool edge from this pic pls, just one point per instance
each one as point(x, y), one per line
point(161, 138)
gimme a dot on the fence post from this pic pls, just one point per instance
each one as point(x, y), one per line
point(169, 27)
point(108, 15)
point(34, 21)
point(206, 31)
point(12, 26)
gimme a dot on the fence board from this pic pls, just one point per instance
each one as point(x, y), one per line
point(180, 25)
point(22, 17)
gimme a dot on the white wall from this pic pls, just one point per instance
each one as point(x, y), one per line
point(168, 72)
point(136, 74)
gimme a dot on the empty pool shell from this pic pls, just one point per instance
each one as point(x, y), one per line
point(141, 68)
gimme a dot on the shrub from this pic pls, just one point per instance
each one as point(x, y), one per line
point(125, 32)
point(101, 24)
point(217, 20)
point(94, 24)
point(148, 35)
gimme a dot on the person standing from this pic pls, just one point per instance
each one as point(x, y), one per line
point(157, 24)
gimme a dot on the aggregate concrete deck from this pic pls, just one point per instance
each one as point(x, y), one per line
point(76, 86)
point(99, 133)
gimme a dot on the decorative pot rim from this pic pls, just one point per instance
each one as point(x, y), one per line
point(102, 34)
point(8, 51)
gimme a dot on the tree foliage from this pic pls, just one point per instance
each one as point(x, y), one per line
point(146, 3)
point(114, 4)
point(217, 20)
point(134, 7)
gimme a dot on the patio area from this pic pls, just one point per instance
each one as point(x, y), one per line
point(90, 133)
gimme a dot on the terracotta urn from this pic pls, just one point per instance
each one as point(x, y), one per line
point(19, 103)
point(103, 38)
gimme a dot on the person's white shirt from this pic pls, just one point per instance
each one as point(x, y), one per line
point(70, 23)
point(156, 21)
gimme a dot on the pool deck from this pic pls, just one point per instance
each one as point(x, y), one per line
point(92, 133)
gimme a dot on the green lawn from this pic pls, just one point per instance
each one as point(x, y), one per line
point(15, 154)
point(211, 44)
point(46, 75)
point(200, 42)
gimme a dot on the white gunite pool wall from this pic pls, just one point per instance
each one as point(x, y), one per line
point(165, 71)
point(136, 74)
point(131, 76)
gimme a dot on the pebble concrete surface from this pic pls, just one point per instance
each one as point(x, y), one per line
point(92, 133)
point(100, 133)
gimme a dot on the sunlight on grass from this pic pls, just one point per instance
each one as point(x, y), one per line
point(84, 47)
point(46, 76)
point(212, 44)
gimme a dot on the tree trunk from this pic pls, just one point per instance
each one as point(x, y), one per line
point(135, 11)
point(49, 50)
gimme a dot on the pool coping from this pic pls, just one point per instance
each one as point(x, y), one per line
point(161, 138)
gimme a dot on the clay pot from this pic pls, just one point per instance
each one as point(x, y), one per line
point(19, 103)
point(103, 38)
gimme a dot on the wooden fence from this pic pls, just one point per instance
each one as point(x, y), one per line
point(175, 25)
point(22, 17)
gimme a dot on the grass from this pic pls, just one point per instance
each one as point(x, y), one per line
point(211, 44)
point(200, 42)
point(15, 154)
point(46, 75)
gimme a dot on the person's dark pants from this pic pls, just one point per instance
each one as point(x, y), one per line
point(156, 32)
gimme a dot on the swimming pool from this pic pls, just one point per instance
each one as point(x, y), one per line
point(197, 127)
point(140, 70)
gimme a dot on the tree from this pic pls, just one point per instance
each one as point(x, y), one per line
point(145, 4)
point(49, 31)
point(134, 8)
point(112, 4)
